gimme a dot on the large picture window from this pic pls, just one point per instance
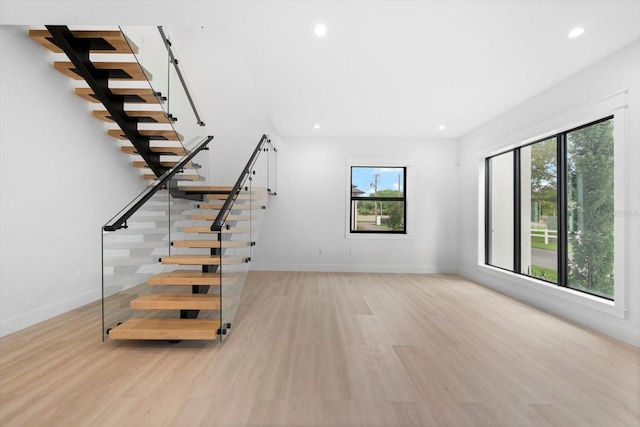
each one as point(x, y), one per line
point(378, 201)
point(550, 209)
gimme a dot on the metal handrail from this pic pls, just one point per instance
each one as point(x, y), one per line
point(119, 223)
point(174, 61)
point(226, 207)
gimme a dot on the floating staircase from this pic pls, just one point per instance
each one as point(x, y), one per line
point(206, 291)
point(175, 259)
point(143, 128)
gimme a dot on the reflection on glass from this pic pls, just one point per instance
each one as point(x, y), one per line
point(500, 211)
point(539, 224)
point(590, 208)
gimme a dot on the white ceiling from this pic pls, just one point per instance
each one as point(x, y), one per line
point(403, 68)
point(385, 68)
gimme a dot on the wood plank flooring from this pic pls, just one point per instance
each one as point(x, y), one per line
point(330, 349)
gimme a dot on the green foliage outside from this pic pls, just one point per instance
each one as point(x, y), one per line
point(543, 273)
point(538, 243)
point(396, 216)
point(393, 211)
point(590, 202)
point(544, 177)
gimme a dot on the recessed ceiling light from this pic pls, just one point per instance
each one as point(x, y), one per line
point(441, 127)
point(320, 30)
point(316, 126)
point(576, 32)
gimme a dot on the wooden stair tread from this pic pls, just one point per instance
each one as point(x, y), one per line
point(202, 260)
point(178, 151)
point(241, 196)
point(207, 229)
point(109, 41)
point(212, 217)
point(140, 164)
point(141, 116)
point(216, 206)
point(184, 177)
point(131, 95)
point(210, 244)
point(190, 278)
point(169, 135)
point(235, 207)
point(166, 163)
point(176, 302)
point(206, 189)
point(166, 329)
point(117, 70)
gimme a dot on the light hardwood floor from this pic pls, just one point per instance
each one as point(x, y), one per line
point(330, 349)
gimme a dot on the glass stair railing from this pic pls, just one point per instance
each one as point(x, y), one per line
point(155, 54)
point(176, 258)
point(178, 270)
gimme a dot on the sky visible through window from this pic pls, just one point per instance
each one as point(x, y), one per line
point(388, 179)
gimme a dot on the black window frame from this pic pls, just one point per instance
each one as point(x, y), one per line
point(353, 198)
point(561, 197)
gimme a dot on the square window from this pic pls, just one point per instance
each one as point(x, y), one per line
point(378, 199)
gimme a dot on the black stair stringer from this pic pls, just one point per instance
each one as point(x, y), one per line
point(78, 52)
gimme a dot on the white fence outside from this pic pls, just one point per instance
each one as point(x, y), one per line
point(547, 234)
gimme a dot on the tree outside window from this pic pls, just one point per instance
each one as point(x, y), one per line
point(561, 229)
point(378, 199)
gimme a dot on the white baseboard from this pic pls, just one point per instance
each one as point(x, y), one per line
point(40, 314)
point(350, 268)
point(611, 322)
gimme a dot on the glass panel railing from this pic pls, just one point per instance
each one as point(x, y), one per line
point(134, 251)
point(182, 123)
point(239, 235)
point(184, 254)
point(272, 164)
point(185, 121)
point(151, 54)
point(181, 102)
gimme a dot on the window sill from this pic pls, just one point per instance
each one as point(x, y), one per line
point(377, 236)
point(570, 295)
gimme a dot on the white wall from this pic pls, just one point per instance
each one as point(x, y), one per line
point(61, 179)
point(619, 72)
point(223, 89)
point(304, 227)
